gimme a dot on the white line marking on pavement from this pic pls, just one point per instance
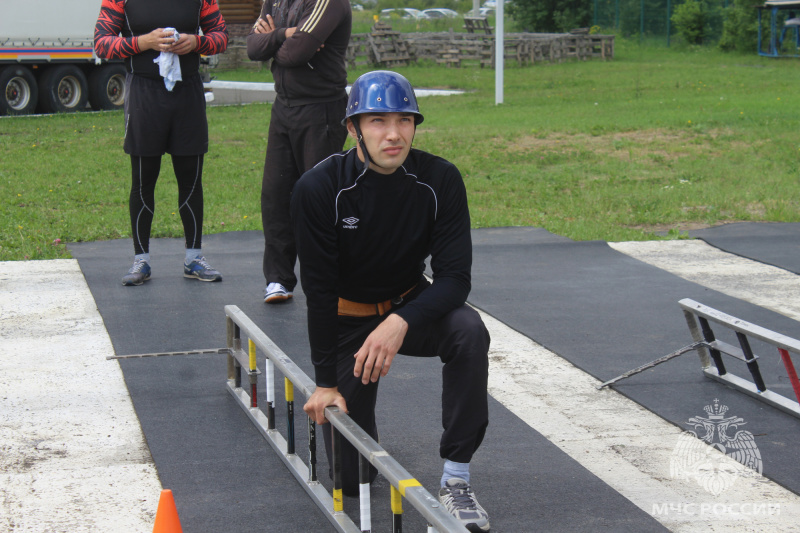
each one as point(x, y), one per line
point(73, 456)
point(695, 260)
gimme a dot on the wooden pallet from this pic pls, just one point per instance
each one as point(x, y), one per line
point(359, 52)
point(477, 25)
point(388, 47)
point(240, 11)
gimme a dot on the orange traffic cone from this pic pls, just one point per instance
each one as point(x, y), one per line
point(167, 520)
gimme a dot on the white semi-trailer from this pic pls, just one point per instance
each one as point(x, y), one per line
point(47, 60)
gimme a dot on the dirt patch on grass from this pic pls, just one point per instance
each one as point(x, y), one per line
point(653, 143)
point(663, 229)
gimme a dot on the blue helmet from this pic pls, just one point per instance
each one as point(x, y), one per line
point(382, 91)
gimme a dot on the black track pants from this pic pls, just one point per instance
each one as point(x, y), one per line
point(299, 138)
point(461, 341)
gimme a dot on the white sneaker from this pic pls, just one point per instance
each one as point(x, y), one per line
point(459, 500)
point(276, 293)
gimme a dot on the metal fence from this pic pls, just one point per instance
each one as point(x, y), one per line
point(652, 19)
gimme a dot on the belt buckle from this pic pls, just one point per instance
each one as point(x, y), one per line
point(397, 301)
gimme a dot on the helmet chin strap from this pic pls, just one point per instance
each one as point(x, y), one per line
point(360, 140)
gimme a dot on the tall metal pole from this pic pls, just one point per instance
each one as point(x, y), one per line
point(669, 9)
point(499, 48)
point(641, 22)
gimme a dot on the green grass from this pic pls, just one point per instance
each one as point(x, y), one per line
point(655, 141)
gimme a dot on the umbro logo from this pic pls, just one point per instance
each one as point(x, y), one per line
point(350, 223)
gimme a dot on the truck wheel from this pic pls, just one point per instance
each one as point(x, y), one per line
point(19, 91)
point(107, 87)
point(62, 89)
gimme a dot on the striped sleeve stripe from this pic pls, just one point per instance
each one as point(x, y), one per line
point(316, 15)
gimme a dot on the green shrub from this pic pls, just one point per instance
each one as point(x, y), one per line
point(550, 15)
point(740, 27)
point(690, 20)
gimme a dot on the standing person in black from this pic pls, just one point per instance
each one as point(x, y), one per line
point(163, 115)
point(307, 43)
point(365, 222)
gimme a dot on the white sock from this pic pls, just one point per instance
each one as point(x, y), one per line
point(453, 469)
point(142, 257)
point(192, 254)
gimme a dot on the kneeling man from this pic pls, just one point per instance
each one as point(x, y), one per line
point(365, 221)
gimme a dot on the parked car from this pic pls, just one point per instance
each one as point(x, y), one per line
point(403, 12)
point(357, 7)
point(492, 4)
point(440, 13)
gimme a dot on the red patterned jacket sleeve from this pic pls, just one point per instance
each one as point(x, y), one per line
point(108, 44)
point(215, 33)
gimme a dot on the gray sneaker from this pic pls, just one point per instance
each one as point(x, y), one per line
point(459, 500)
point(138, 274)
point(200, 269)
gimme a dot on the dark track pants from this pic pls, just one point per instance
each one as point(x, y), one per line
point(461, 341)
point(299, 137)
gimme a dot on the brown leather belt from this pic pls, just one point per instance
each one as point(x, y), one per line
point(349, 308)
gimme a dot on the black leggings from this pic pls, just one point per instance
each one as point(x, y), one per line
point(189, 173)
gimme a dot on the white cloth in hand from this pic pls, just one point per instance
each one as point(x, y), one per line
point(169, 64)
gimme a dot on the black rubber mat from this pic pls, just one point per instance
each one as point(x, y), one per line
point(771, 243)
point(608, 313)
point(220, 469)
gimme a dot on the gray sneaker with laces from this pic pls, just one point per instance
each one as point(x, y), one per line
point(200, 269)
point(138, 274)
point(459, 500)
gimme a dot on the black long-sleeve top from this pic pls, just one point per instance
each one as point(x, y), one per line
point(305, 71)
point(120, 23)
point(364, 236)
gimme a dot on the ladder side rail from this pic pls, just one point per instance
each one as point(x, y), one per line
point(752, 330)
point(427, 505)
